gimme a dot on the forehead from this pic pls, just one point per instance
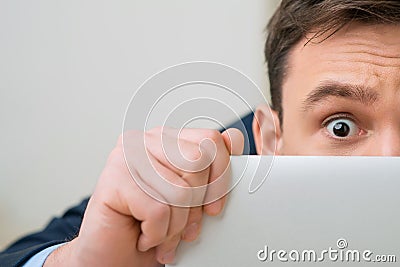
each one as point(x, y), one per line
point(358, 53)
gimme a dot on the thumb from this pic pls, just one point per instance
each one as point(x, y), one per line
point(234, 141)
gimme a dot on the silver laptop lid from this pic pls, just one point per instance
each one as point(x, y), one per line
point(330, 210)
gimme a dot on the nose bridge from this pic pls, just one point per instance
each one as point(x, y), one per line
point(387, 142)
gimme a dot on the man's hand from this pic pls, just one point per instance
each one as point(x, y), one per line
point(125, 226)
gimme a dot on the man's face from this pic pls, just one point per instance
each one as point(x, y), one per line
point(341, 96)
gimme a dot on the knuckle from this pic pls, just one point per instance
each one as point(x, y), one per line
point(157, 130)
point(129, 134)
point(202, 165)
point(153, 131)
point(119, 140)
point(149, 134)
point(160, 211)
point(192, 154)
point(183, 195)
point(196, 161)
point(155, 134)
point(214, 135)
point(116, 156)
point(129, 138)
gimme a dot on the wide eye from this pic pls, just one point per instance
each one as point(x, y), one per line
point(342, 128)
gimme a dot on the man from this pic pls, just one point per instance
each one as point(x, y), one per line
point(334, 76)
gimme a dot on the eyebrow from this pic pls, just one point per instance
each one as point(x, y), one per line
point(327, 89)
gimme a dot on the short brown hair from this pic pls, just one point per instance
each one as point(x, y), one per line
point(295, 18)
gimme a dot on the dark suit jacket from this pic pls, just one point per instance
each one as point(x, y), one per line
point(65, 228)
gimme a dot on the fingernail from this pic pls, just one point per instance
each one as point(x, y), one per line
point(191, 232)
point(169, 257)
point(216, 207)
point(221, 204)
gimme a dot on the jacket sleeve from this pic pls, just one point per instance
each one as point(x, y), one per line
point(59, 230)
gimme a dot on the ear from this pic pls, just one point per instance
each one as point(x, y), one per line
point(267, 131)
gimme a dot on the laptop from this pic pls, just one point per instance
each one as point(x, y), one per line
point(299, 211)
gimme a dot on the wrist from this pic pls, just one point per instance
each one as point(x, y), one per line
point(64, 256)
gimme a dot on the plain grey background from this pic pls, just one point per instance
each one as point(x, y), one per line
point(68, 70)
